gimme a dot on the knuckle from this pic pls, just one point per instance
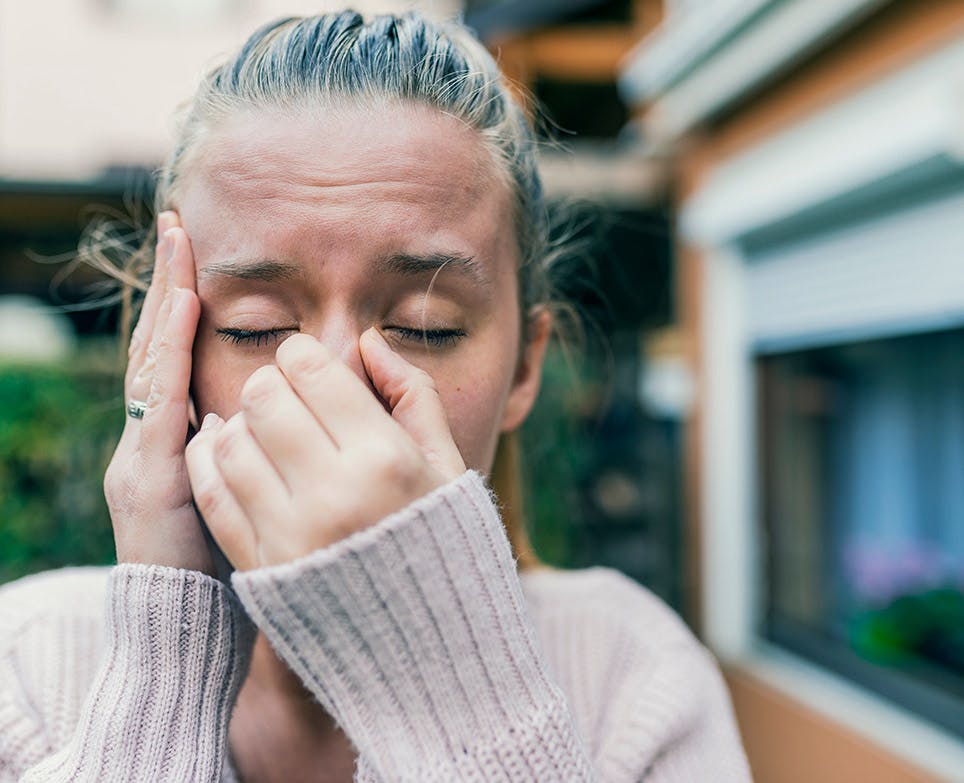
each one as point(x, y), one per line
point(208, 496)
point(227, 439)
point(120, 489)
point(423, 396)
point(141, 375)
point(424, 381)
point(158, 392)
point(112, 489)
point(224, 444)
point(394, 461)
point(150, 352)
point(309, 365)
point(165, 344)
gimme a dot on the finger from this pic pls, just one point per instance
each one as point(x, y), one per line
point(182, 273)
point(165, 422)
point(249, 475)
point(144, 331)
point(192, 414)
point(414, 402)
point(179, 273)
point(181, 267)
point(140, 384)
point(340, 401)
point(288, 433)
point(229, 526)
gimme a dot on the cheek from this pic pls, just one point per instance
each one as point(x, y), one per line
point(217, 378)
point(474, 402)
point(473, 414)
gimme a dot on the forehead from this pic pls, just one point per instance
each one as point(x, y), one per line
point(344, 180)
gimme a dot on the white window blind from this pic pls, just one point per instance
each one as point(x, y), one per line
point(897, 273)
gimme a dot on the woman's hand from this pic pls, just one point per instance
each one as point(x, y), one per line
point(313, 456)
point(146, 485)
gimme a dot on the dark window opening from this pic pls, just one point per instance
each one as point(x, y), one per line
point(580, 109)
point(862, 461)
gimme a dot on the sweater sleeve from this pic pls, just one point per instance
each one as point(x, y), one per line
point(413, 634)
point(175, 654)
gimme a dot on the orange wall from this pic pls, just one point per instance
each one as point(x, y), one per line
point(786, 741)
point(789, 743)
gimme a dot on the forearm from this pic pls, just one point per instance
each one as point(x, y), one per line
point(158, 709)
point(414, 635)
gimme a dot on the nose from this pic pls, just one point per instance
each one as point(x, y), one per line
point(340, 336)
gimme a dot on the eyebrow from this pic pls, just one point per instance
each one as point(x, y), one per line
point(411, 265)
point(262, 269)
point(406, 264)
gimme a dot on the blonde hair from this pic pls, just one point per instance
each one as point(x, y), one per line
point(328, 60)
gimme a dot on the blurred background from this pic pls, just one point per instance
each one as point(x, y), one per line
point(766, 426)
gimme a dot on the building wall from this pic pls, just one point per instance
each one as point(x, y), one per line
point(789, 743)
point(788, 737)
point(86, 84)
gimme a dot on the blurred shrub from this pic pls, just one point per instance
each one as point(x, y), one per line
point(58, 428)
point(558, 457)
point(60, 424)
point(923, 626)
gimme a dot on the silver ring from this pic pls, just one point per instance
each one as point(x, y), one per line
point(136, 409)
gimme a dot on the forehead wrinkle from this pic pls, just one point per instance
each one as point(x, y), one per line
point(267, 159)
point(314, 189)
point(408, 183)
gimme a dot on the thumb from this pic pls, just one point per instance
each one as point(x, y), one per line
point(413, 401)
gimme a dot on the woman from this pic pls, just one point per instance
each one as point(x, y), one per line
point(349, 289)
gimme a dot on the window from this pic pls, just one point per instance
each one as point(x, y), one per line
point(862, 466)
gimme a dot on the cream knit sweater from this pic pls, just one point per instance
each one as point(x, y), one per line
point(438, 660)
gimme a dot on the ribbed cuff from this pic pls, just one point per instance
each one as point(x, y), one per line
point(413, 633)
point(178, 647)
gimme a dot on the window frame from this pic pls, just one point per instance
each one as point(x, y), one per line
point(943, 706)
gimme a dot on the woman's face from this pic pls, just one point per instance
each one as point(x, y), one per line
point(329, 224)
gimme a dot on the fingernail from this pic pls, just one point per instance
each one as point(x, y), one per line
point(165, 221)
point(192, 413)
point(170, 243)
point(210, 420)
point(162, 252)
point(180, 300)
point(378, 337)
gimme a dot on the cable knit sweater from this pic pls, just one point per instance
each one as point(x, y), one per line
point(438, 660)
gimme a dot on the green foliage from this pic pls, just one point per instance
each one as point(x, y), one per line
point(923, 626)
point(558, 457)
point(58, 428)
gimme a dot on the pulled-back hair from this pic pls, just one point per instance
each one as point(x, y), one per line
point(323, 62)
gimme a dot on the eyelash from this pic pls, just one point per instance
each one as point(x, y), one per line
point(256, 337)
point(435, 338)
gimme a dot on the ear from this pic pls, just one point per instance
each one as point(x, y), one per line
point(525, 385)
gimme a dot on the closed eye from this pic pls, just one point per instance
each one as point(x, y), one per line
point(255, 337)
point(434, 338)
